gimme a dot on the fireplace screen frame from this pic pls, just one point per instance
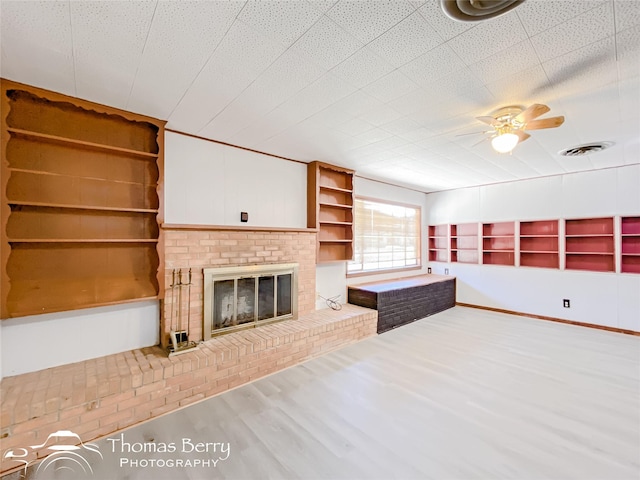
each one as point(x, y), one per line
point(217, 274)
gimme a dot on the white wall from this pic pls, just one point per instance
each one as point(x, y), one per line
point(331, 277)
point(43, 341)
point(599, 298)
point(210, 184)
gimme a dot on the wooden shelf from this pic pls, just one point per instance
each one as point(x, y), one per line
point(55, 174)
point(83, 240)
point(80, 204)
point(589, 244)
point(539, 244)
point(330, 210)
point(336, 205)
point(322, 222)
point(630, 245)
point(498, 243)
point(335, 189)
point(464, 243)
point(82, 207)
point(80, 143)
point(438, 243)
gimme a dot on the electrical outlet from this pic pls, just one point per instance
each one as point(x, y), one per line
point(428, 269)
point(566, 303)
point(446, 271)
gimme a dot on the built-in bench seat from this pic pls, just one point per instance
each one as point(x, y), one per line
point(404, 300)
point(97, 397)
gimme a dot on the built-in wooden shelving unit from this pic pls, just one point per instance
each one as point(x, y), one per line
point(438, 243)
point(464, 243)
point(330, 210)
point(539, 244)
point(589, 244)
point(630, 251)
point(80, 203)
point(498, 243)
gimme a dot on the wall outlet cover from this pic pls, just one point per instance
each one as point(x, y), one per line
point(244, 216)
point(566, 303)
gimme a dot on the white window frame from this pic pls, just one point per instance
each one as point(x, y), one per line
point(358, 266)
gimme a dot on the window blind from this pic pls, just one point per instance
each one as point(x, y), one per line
point(386, 236)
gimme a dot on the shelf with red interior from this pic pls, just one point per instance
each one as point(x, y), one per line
point(589, 244)
point(464, 243)
point(539, 244)
point(630, 251)
point(498, 243)
point(438, 243)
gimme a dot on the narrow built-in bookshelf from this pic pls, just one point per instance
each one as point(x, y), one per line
point(630, 251)
point(438, 243)
point(464, 243)
point(330, 210)
point(498, 243)
point(590, 244)
point(539, 244)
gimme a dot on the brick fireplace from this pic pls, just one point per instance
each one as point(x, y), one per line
point(200, 247)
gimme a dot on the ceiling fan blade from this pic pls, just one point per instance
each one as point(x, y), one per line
point(534, 111)
point(552, 122)
point(521, 135)
point(489, 120)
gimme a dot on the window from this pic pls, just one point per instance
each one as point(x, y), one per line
point(386, 236)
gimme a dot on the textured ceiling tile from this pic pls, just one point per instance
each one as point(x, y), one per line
point(283, 21)
point(355, 126)
point(183, 35)
point(108, 41)
point(327, 44)
point(323, 5)
point(289, 74)
point(538, 16)
point(434, 64)
point(505, 63)
point(583, 69)
point(628, 52)
point(525, 87)
point(627, 14)
point(37, 44)
point(415, 100)
point(446, 27)
point(380, 115)
point(368, 20)
point(587, 28)
point(362, 68)
point(241, 56)
point(462, 84)
point(37, 23)
point(400, 125)
point(391, 86)
point(488, 37)
point(324, 92)
point(407, 40)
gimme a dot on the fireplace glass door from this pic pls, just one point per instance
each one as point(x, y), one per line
point(242, 300)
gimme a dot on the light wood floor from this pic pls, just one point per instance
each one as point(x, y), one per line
point(464, 394)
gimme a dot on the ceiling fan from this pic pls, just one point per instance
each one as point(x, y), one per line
point(509, 125)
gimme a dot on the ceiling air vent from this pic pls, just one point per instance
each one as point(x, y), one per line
point(586, 149)
point(476, 10)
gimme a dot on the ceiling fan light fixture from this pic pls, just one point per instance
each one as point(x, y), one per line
point(505, 142)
